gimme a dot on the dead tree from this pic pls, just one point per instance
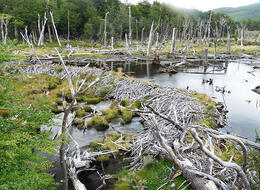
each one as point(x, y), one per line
point(41, 38)
point(55, 30)
point(68, 25)
point(228, 40)
point(30, 43)
point(67, 110)
point(222, 23)
point(173, 42)
point(126, 41)
point(6, 22)
point(49, 32)
point(216, 36)
point(243, 27)
point(157, 41)
point(112, 43)
point(105, 30)
point(136, 29)
point(2, 29)
point(186, 24)
point(130, 25)
point(142, 34)
point(149, 47)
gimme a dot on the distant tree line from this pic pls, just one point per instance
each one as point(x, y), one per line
point(85, 18)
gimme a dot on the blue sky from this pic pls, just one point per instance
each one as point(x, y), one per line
point(203, 4)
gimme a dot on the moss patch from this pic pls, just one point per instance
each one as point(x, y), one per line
point(80, 113)
point(79, 122)
point(110, 114)
point(93, 100)
point(203, 98)
point(98, 122)
point(127, 116)
point(107, 142)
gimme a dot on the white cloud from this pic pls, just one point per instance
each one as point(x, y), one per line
point(203, 4)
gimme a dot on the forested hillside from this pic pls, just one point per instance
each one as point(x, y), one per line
point(242, 13)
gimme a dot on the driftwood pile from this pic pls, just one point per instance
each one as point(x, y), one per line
point(173, 130)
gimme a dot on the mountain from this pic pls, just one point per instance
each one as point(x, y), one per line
point(242, 13)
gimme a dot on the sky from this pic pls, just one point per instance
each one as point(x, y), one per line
point(203, 5)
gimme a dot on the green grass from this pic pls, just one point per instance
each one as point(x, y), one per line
point(152, 176)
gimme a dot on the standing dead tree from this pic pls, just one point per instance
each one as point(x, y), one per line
point(149, 47)
point(4, 22)
point(216, 35)
point(173, 42)
point(35, 58)
point(142, 34)
point(105, 30)
point(228, 40)
point(130, 25)
point(243, 27)
point(55, 30)
point(41, 38)
point(72, 161)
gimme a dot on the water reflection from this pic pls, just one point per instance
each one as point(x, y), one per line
point(243, 117)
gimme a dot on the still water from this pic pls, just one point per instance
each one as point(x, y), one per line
point(242, 103)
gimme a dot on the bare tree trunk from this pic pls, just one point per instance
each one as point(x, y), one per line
point(15, 31)
point(206, 60)
point(49, 32)
point(242, 38)
point(33, 37)
point(41, 41)
point(228, 40)
point(68, 25)
point(215, 41)
point(130, 25)
point(112, 43)
point(150, 41)
point(136, 28)
point(39, 24)
point(126, 41)
point(121, 31)
point(142, 35)
point(55, 30)
point(173, 42)
point(1, 30)
point(26, 38)
point(105, 30)
point(157, 41)
point(6, 22)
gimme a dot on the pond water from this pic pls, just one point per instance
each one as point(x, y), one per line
point(242, 103)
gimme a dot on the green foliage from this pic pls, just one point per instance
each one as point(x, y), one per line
point(209, 107)
point(152, 176)
point(209, 123)
point(21, 166)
